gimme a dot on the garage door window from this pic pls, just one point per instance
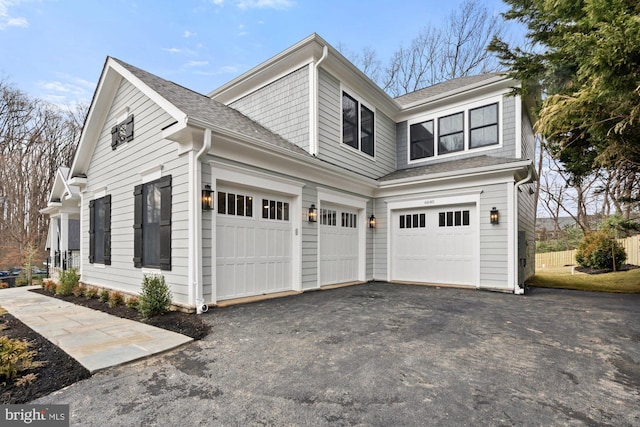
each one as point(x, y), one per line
point(453, 219)
point(349, 220)
point(328, 217)
point(235, 204)
point(275, 209)
point(413, 221)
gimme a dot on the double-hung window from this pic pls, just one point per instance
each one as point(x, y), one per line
point(421, 140)
point(152, 224)
point(451, 133)
point(483, 126)
point(100, 230)
point(358, 125)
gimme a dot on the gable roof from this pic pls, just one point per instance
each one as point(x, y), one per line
point(204, 109)
point(448, 87)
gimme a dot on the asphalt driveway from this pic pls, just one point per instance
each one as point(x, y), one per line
point(387, 355)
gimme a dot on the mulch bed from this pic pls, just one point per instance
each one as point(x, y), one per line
point(589, 270)
point(61, 370)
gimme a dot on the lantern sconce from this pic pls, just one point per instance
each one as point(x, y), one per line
point(313, 214)
point(207, 198)
point(494, 216)
point(372, 221)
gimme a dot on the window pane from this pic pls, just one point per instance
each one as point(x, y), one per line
point(249, 207)
point(415, 220)
point(349, 121)
point(286, 212)
point(98, 229)
point(401, 221)
point(408, 221)
point(465, 217)
point(279, 211)
point(366, 138)
point(265, 209)
point(449, 219)
point(458, 218)
point(451, 124)
point(422, 220)
point(231, 204)
point(484, 136)
point(421, 140)
point(240, 205)
point(484, 116)
point(272, 209)
point(451, 143)
point(441, 219)
point(151, 202)
point(222, 202)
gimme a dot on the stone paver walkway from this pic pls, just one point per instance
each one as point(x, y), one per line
point(95, 339)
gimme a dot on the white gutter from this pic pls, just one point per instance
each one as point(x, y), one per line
point(196, 225)
point(516, 286)
point(313, 140)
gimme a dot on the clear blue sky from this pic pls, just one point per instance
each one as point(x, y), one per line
point(55, 49)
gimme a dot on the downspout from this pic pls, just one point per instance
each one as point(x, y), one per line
point(197, 225)
point(314, 143)
point(516, 286)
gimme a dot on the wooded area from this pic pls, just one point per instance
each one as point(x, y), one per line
point(35, 139)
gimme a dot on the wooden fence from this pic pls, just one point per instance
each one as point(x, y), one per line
point(559, 259)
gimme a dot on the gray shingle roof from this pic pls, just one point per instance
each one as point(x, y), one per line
point(205, 109)
point(443, 87)
point(449, 166)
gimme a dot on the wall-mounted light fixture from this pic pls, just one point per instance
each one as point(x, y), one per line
point(313, 214)
point(494, 216)
point(207, 198)
point(372, 221)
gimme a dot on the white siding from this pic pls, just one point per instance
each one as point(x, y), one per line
point(282, 107)
point(331, 148)
point(118, 172)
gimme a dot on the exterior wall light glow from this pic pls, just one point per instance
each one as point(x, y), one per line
point(207, 198)
point(372, 221)
point(313, 214)
point(494, 216)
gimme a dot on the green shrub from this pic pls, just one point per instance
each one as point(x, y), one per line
point(132, 302)
point(115, 299)
point(599, 250)
point(22, 280)
point(104, 295)
point(69, 279)
point(50, 286)
point(91, 293)
point(155, 298)
point(15, 357)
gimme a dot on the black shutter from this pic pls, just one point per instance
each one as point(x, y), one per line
point(165, 222)
point(137, 226)
point(129, 124)
point(114, 137)
point(92, 238)
point(107, 230)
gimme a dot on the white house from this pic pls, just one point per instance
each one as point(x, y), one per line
point(316, 176)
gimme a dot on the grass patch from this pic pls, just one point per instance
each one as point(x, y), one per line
point(627, 282)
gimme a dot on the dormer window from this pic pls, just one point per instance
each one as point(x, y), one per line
point(457, 132)
point(357, 125)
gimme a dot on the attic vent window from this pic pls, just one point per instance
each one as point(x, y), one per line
point(122, 132)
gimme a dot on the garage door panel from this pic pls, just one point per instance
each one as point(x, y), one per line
point(439, 249)
point(339, 244)
point(253, 254)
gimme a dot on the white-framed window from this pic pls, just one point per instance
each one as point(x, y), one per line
point(453, 218)
point(358, 125)
point(455, 130)
point(416, 220)
point(275, 210)
point(235, 204)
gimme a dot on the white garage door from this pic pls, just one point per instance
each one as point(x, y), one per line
point(435, 245)
point(253, 244)
point(338, 244)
